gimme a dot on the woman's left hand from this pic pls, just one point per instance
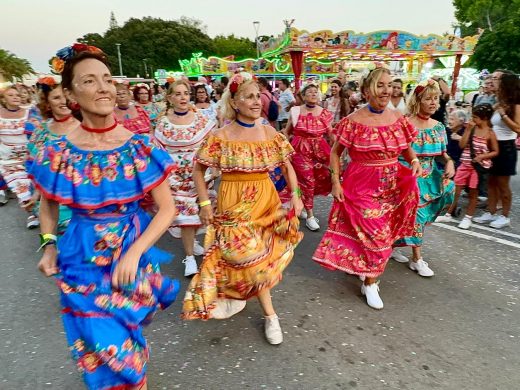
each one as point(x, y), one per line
point(126, 269)
point(416, 169)
point(297, 204)
point(449, 169)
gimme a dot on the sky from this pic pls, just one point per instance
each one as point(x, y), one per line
point(36, 29)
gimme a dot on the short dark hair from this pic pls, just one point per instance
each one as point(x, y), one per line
point(263, 82)
point(68, 70)
point(285, 82)
point(398, 81)
point(483, 111)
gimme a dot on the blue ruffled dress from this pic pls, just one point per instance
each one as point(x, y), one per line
point(103, 189)
point(436, 192)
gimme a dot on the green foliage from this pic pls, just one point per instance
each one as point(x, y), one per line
point(151, 43)
point(241, 48)
point(12, 66)
point(499, 46)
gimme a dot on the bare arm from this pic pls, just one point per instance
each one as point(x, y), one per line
point(48, 225)
point(513, 124)
point(411, 158)
point(288, 128)
point(335, 166)
point(126, 269)
point(465, 137)
point(206, 212)
point(493, 148)
point(292, 180)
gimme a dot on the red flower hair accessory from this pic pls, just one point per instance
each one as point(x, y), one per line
point(422, 86)
point(58, 62)
point(237, 80)
point(46, 84)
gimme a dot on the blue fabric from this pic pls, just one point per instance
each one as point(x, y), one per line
point(431, 141)
point(278, 179)
point(104, 325)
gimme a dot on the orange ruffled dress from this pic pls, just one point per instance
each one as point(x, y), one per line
point(252, 238)
point(381, 198)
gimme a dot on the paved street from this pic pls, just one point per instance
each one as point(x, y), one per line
point(457, 330)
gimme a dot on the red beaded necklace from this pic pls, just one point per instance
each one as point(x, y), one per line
point(64, 119)
point(104, 130)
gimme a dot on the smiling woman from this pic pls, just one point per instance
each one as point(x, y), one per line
point(110, 278)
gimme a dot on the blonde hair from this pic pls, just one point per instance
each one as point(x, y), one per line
point(170, 91)
point(369, 82)
point(420, 91)
point(227, 110)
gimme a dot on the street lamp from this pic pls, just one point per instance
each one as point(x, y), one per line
point(256, 25)
point(145, 67)
point(118, 45)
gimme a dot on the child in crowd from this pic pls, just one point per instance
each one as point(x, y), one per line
point(479, 145)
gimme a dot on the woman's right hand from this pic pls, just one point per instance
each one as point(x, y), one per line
point(416, 169)
point(48, 263)
point(206, 215)
point(337, 192)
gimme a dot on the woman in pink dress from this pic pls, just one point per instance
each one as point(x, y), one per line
point(132, 117)
point(308, 126)
point(377, 199)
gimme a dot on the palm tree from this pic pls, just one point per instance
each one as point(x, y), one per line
point(12, 66)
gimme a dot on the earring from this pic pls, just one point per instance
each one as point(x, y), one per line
point(237, 110)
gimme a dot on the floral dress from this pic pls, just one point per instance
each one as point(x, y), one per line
point(182, 142)
point(14, 135)
point(104, 326)
point(141, 124)
point(153, 110)
point(436, 192)
point(312, 153)
point(37, 141)
point(252, 238)
point(381, 198)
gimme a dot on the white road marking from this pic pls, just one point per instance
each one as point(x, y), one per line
point(478, 235)
point(497, 231)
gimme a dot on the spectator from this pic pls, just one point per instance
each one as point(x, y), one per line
point(286, 100)
point(267, 97)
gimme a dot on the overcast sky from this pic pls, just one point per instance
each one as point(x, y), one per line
point(35, 29)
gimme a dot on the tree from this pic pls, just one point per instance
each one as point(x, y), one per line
point(239, 47)
point(12, 66)
point(113, 21)
point(499, 45)
point(151, 43)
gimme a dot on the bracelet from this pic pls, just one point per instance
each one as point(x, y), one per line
point(205, 203)
point(297, 191)
point(414, 160)
point(47, 239)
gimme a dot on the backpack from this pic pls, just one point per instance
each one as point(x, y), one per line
point(272, 110)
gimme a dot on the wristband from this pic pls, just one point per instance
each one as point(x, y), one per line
point(297, 192)
point(47, 239)
point(414, 160)
point(205, 203)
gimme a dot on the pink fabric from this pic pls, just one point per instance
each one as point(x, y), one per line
point(141, 124)
point(381, 198)
point(312, 153)
point(480, 146)
point(466, 176)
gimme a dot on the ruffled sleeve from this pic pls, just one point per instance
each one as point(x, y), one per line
point(95, 179)
point(431, 141)
point(34, 120)
point(326, 117)
point(240, 156)
point(361, 137)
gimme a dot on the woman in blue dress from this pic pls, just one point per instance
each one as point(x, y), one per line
point(105, 264)
point(435, 185)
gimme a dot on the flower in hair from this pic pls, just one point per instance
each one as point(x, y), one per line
point(46, 83)
point(57, 65)
point(237, 79)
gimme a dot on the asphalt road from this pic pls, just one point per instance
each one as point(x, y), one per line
point(457, 330)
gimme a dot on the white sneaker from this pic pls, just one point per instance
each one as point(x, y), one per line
point(226, 308)
point(445, 218)
point(32, 222)
point(465, 223)
point(312, 224)
point(399, 257)
point(303, 214)
point(175, 232)
point(500, 222)
point(482, 198)
point(371, 292)
point(198, 250)
point(190, 266)
point(487, 217)
point(3, 198)
point(273, 331)
point(421, 267)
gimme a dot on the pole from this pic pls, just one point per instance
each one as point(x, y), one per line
point(256, 25)
point(456, 71)
point(119, 59)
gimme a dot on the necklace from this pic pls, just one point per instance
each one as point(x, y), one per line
point(310, 105)
point(424, 118)
point(180, 113)
point(244, 124)
point(104, 130)
point(15, 110)
point(64, 119)
point(374, 111)
point(123, 108)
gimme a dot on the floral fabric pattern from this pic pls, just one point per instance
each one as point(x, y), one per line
point(104, 327)
point(182, 142)
point(141, 124)
point(381, 198)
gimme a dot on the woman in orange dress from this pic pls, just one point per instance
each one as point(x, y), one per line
point(250, 238)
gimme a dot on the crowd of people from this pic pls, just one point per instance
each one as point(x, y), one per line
point(105, 169)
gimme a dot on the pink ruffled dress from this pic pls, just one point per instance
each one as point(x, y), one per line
point(381, 198)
